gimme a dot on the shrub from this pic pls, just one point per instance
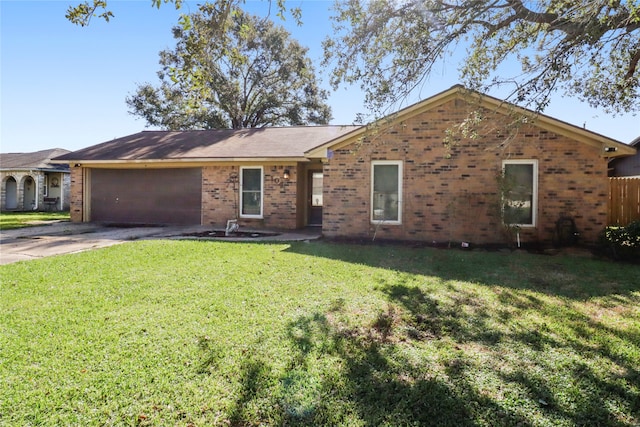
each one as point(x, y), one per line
point(622, 242)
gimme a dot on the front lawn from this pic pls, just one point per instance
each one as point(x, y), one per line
point(11, 220)
point(195, 333)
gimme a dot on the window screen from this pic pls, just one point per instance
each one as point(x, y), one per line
point(251, 192)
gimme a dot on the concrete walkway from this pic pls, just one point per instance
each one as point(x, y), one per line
point(64, 238)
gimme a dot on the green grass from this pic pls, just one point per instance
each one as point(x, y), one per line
point(11, 220)
point(195, 333)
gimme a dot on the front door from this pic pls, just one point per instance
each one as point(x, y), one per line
point(314, 198)
point(29, 194)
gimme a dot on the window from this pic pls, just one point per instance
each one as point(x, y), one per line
point(45, 189)
point(386, 194)
point(520, 192)
point(316, 189)
point(251, 192)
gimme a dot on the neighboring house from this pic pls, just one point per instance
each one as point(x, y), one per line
point(395, 179)
point(30, 182)
point(627, 166)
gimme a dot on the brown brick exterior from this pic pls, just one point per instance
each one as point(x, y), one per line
point(77, 190)
point(449, 193)
point(220, 197)
point(452, 194)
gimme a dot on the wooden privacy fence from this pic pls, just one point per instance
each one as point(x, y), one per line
point(624, 201)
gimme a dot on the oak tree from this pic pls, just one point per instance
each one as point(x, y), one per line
point(82, 13)
point(589, 49)
point(230, 69)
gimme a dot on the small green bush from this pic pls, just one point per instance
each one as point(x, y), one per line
point(622, 242)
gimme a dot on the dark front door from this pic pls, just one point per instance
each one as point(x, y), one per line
point(315, 198)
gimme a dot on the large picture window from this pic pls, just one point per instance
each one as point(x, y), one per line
point(520, 192)
point(251, 192)
point(386, 194)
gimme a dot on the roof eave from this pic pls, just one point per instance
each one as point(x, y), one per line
point(34, 169)
point(187, 162)
point(609, 147)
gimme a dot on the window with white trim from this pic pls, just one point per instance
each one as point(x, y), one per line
point(520, 192)
point(386, 191)
point(251, 192)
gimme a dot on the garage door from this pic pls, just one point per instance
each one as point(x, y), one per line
point(149, 196)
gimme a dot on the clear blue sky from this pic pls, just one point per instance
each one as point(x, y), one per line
point(64, 86)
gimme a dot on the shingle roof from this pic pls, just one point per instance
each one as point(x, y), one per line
point(35, 160)
point(222, 144)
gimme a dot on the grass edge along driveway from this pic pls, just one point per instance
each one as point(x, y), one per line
point(13, 220)
point(199, 333)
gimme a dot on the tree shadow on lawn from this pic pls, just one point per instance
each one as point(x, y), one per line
point(574, 277)
point(520, 350)
point(574, 367)
point(379, 385)
point(425, 362)
point(368, 385)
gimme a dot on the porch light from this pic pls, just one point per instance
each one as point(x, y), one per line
point(286, 175)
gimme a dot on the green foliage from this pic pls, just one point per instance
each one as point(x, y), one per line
point(590, 50)
point(217, 333)
point(231, 70)
point(587, 49)
point(622, 242)
point(83, 13)
point(506, 207)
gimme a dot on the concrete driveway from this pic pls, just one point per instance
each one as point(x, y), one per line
point(65, 238)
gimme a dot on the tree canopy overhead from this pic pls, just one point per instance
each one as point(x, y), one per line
point(588, 49)
point(82, 13)
point(231, 70)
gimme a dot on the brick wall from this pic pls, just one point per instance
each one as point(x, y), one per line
point(451, 193)
point(17, 195)
point(280, 207)
point(75, 196)
point(33, 194)
point(19, 176)
point(220, 197)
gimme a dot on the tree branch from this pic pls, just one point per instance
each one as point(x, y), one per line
point(633, 64)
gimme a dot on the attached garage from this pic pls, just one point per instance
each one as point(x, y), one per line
point(195, 177)
point(146, 196)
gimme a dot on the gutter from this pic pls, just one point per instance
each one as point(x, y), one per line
point(181, 162)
